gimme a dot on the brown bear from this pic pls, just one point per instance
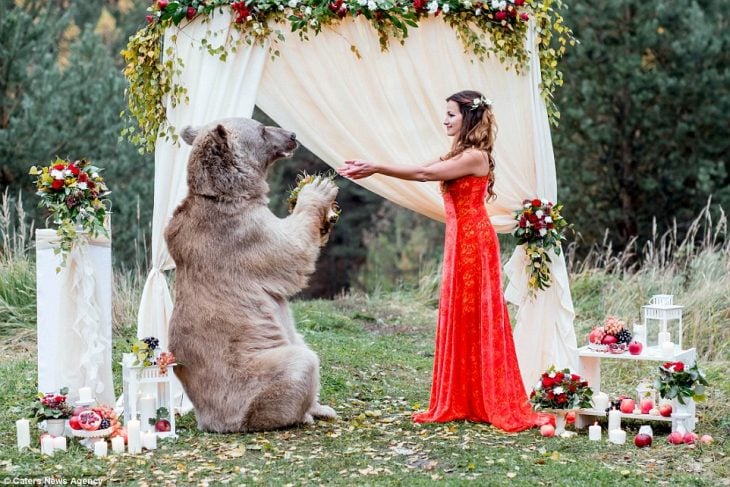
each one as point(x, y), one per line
point(242, 362)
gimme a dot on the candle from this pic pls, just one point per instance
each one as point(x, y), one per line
point(118, 444)
point(617, 436)
point(600, 401)
point(133, 437)
point(646, 430)
point(47, 445)
point(85, 395)
point(59, 443)
point(100, 448)
point(594, 432)
point(640, 333)
point(147, 411)
point(668, 349)
point(22, 427)
point(614, 420)
point(664, 337)
point(149, 440)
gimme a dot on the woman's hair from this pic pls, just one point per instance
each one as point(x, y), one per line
point(478, 129)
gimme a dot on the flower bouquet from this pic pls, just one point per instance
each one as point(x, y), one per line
point(540, 228)
point(333, 214)
point(52, 406)
point(680, 382)
point(147, 353)
point(73, 192)
point(613, 336)
point(560, 391)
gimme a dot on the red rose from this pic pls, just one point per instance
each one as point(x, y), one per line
point(575, 376)
point(83, 177)
point(523, 222)
point(419, 4)
point(162, 4)
point(500, 15)
point(512, 11)
point(667, 365)
point(678, 366)
point(74, 170)
point(524, 17)
point(519, 2)
point(536, 202)
point(547, 382)
point(562, 398)
point(572, 387)
point(550, 395)
point(191, 13)
point(149, 18)
point(584, 383)
point(559, 377)
point(57, 184)
point(59, 167)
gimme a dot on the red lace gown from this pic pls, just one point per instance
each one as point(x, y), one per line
point(476, 376)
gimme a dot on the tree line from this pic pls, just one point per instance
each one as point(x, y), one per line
point(643, 134)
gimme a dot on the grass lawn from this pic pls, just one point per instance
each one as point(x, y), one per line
point(376, 356)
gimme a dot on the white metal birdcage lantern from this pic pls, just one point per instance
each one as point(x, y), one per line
point(662, 321)
point(146, 390)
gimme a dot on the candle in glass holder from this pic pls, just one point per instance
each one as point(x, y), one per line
point(100, 448)
point(640, 333)
point(600, 401)
point(617, 436)
point(594, 432)
point(59, 443)
point(128, 359)
point(22, 427)
point(614, 420)
point(85, 394)
point(118, 444)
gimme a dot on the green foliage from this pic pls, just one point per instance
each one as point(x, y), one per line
point(645, 112)
point(677, 381)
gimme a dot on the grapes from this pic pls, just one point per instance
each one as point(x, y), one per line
point(105, 423)
point(151, 342)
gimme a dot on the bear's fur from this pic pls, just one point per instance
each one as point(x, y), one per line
point(242, 362)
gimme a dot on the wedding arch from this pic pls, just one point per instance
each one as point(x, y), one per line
point(347, 96)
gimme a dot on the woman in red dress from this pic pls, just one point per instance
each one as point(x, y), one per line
point(476, 376)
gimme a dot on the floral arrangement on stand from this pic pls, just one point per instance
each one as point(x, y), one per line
point(73, 192)
point(676, 380)
point(333, 214)
point(52, 406)
point(147, 353)
point(540, 228)
point(613, 336)
point(505, 21)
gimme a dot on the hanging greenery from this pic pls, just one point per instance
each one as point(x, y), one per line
point(151, 74)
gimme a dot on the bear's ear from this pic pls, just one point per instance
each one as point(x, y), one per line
point(221, 135)
point(188, 134)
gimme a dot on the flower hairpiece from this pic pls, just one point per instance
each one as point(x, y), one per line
point(480, 102)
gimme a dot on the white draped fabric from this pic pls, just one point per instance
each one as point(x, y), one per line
point(74, 316)
point(386, 106)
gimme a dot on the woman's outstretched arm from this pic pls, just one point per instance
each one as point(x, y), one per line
point(468, 163)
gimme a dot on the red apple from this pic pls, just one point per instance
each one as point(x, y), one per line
point(627, 406)
point(635, 348)
point(162, 4)
point(73, 423)
point(646, 405)
point(162, 426)
point(642, 440)
point(665, 410)
point(675, 438)
point(707, 439)
point(547, 430)
point(609, 339)
point(570, 417)
point(690, 438)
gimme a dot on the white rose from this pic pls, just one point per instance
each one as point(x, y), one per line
point(56, 174)
point(544, 202)
point(292, 3)
point(539, 213)
point(313, 22)
point(558, 390)
point(543, 232)
point(527, 205)
point(433, 7)
point(362, 2)
point(82, 186)
point(466, 3)
point(280, 8)
point(372, 5)
point(446, 8)
point(548, 219)
point(478, 11)
point(308, 11)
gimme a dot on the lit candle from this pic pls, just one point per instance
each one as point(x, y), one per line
point(100, 448)
point(614, 420)
point(617, 436)
point(85, 395)
point(668, 349)
point(22, 427)
point(47, 445)
point(600, 401)
point(146, 411)
point(664, 337)
point(594, 432)
point(133, 437)
point(59, 443)
point(118, 444)
point(149, 440)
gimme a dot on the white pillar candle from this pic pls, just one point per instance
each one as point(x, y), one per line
point(600, 401)
point(640, 333)
point(100, 448)
point(614, 420)
point(646, 430)
point(22, 428)
point(617, 436)
point(47, 445)
point(118, 444)
point(146, 411)
point(664, 337)
point(59, 443)
point(85, 395)
point(668, 349)
point(594, 432)
point(149, 440)
point(134, 444)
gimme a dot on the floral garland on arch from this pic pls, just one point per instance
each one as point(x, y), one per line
point(151, 78)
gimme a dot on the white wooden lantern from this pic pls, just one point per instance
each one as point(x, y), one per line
point(662, 321)
point(645, 390)
point(146, 390)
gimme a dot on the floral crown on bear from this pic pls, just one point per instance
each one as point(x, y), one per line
point(481, 101)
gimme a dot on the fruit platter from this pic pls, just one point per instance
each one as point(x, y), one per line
point(93, 422)
point(611, 337)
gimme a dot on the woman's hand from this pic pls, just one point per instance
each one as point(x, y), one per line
point(357, 169)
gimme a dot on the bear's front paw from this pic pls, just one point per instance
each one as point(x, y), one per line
point(321, 193)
